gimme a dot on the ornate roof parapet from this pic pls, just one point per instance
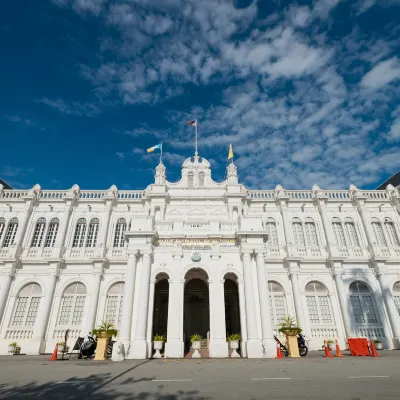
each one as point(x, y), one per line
point(232, 175)
point(160, 177)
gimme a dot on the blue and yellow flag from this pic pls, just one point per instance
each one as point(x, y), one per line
point(151, 149)
point(230, 155)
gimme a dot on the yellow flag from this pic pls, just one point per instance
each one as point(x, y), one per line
point(230, 155)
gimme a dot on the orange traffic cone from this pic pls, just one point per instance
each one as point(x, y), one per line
point(373, 349)
point(279, 351)
point(327, 352)
point(54, 356)
point(338, 352)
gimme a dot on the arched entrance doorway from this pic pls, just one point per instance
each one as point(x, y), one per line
point(160, 307)
point(196, 317)
point(232, 308)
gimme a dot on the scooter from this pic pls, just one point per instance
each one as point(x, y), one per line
point(301, 342)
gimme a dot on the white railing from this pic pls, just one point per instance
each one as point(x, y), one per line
point(324, 332)
point(337, 194)
point(376, 194)
point(299, 194)
point(273, 251)
point(164, 226)
point(228, 226)
point(19, 334)
point(371, 332)
point(118, 252)
point(59, 334)
point(12, 194)
point(196, 226)
point(92, 194)
point(261, 194)
point(52, 194)
point(131, 194)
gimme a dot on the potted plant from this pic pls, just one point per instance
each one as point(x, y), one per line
point(331, 344)
point(104, 333)
point(234, 343)
point(158, 341)
point(289, 328)
point(196, 344)
point(12, 348)
point(61, 347)
point(378, 344)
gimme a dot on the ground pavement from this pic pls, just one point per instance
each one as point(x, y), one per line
point(310, 378)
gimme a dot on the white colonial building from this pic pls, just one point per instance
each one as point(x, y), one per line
point(198, 256)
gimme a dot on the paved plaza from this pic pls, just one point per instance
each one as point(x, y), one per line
point(313, 377)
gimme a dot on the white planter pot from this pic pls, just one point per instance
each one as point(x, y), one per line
point(378, 346)
point(61, 348)
point(157, 347)
point(196, 347)
point(11, 349)
point(234, 345)
point(331, 346)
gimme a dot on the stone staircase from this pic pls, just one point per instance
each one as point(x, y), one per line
point(203, 350)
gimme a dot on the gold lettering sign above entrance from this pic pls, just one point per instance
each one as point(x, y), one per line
point(196, 243)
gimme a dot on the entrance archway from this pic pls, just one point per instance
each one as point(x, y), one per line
point(161, 298)
point(196, 316)
point(232, 309)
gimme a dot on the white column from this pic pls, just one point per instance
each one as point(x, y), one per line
point(94, 301)
point(149, 328)
point(174, 345)
point(127, 302)
point(242, 308)
point(64, 224)
point(38, 338)
point(391, 308)
point(344, 304)
point(218, 344)
point(298, 305)
point(266, 325)
point(106, 225)
point(254, 347)
point(5, 290)
point(139, 344)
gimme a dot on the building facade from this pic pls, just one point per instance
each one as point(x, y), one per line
point(198, 256)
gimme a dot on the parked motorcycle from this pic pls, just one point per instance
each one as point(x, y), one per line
point(301, 342)
point(88, 347)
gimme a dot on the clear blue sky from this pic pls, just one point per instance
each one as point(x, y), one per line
point(307, 92)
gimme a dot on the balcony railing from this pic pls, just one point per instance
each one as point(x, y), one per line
point(196, 226)
point(228, 226)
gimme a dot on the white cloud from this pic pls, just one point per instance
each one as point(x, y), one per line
point(394, 134)
point(73, 108)
point(382, 74)
point(82, 6)
point(121, 156)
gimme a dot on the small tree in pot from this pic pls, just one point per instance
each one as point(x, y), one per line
point(104, 333)
point(158, 341)
point(378, 344)
point(13, 348)
point(196, 344)
point(289, 328)
point(234, 343)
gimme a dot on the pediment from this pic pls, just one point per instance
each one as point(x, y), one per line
point(174, 212)
point(217, 212)
point(195, 212)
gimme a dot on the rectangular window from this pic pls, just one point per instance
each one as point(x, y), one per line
point(298, 234)
point(379, 236)
point(325, 309)
point(51, 235)
point(77, 316)
point(65, 312)
point(312, 309)
point(311, 234)
point(10, 235)
point(339, 235)
point(280, 308)
point(273, 235)
point(369, 310)
point(357, 309)
point(32, 311)
point(397, 302)
point(111, 309)
point(19, 313)
point(351, 234)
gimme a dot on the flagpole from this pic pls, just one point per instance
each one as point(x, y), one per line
point(161, 154)
point(196, 139)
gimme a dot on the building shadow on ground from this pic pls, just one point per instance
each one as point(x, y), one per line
point(97, 386)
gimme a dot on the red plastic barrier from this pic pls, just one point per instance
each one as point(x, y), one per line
point(358, 346)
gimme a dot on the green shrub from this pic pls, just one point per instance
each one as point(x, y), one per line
point(195, 338)
point(158, 338)
point(234, 336)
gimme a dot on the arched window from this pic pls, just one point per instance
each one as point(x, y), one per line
point(201, 179)
point(72, 305)
point(362, 304)
point(27, 306)
point(396, 295)
point(298, 234)
point(311, 233)
point(318, 303)
point(52, 232)
point(270, 227)
point(378, 232)
point(80, 231)
point(390, 231)
point(93, 233)
point(11, 232)
point(338, 232)
point(2, 227)
point(39, 232)
point(351, 234)
point(120, 228)
point(277, 302)
point(115, 297)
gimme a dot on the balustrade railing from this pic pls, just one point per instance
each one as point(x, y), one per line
point(371, 333)
point(131, 194)
point(18, 334)
point(261, 194)
point(324, 332)
point(337, 194)
point(12, 194)
point(52, 194)
point(228, 226)
point(196, 226)
point(164, 226)
point(299, 194)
